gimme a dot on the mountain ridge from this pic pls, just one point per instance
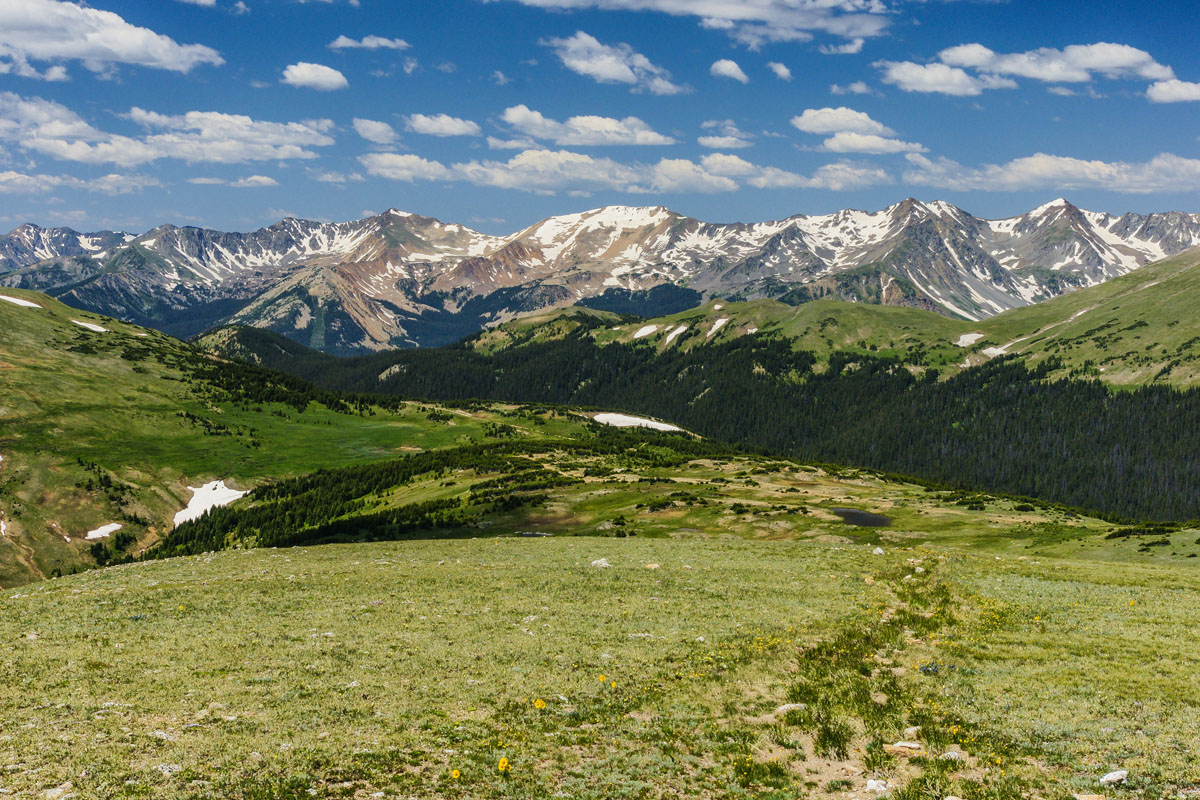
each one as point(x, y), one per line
point(402, 279)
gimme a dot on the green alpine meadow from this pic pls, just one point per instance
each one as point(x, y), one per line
point(599, 400)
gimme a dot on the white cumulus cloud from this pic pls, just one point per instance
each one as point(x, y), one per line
point(724, 134)
point(307, 75)
point(254, 182)
point(372, 42)
point(849, 142)
point(587, 130)
point(726, 68)
point(839, 176)
point(19, 183)
point(46, 127)
point(586, 55)
point(441, 125)
point(858, 87)
point(1173, 91)
point(51, 30)
point(1073, 64)
point(403, 167)
point(1165, 172)
point(939, 78)
point(781, 71)
point(756, 22)
point(374, 131)
point(839, 120)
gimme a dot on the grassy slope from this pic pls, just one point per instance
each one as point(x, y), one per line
point(347, 670)
point(58, 405)
point(1130, 327)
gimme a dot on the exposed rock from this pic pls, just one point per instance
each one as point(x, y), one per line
point(903, 748)
point(601, 562)
point(1118, 776)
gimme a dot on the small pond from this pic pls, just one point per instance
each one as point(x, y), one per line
point(863, 519)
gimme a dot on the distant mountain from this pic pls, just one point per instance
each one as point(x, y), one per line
point(29, 244)
point(399, 279)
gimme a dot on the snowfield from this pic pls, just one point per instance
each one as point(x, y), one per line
point(968, 339)
point(210, 495)
point(644, 332)
point(91, 326)
point(626, 421)
point(716, 327)
point(675, 333)
point(18, 301)
point(104, 531)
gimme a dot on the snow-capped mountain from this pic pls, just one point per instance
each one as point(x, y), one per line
point(29, 244)
point(399, 279)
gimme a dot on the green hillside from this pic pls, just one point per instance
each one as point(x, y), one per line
point(1136, 329)
point(696, 665)
point(111, 427)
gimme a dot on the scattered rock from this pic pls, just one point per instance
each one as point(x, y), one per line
point(168, 769)
point(652, 566)
point(1089, 797)
point(951, 797)
point(60, 792)
point(952, 755)
point(877, 551)
point(1114, 777)
point(912, 733)
point(601, 562)
point(788, 707)
point(902, 748)
point(878, 787)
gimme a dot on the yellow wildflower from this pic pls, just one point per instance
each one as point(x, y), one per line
point(454, 774)
point(539, 704)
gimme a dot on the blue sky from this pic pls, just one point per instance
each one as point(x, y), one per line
point(497, 113)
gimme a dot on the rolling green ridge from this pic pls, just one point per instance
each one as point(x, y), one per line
point(1007, 425)
point(111, 427)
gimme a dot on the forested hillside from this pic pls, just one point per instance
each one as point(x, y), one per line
point(1001, 426)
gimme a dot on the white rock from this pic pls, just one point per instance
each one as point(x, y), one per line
point(601, 562)
point(59, 792)
point(877, 551)
point(878, 787)
point(783, 709)
point(1115, 777)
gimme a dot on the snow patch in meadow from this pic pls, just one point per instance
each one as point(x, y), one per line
point(716, 327)
point(968, 339)
point(675, 333)
point(645, 331)
point(91, 326)
point(104, 531)
point(751, 330)
point(626, 421)
point(19, 302)
point(210, 495)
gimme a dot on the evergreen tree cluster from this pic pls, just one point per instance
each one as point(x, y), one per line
point(1000, 427)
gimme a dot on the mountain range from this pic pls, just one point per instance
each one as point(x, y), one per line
point(399, 279)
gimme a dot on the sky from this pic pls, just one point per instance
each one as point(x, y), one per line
point(232, 114)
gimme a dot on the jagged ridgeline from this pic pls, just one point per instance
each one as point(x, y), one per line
point(1002, 426)
point(399, 279)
